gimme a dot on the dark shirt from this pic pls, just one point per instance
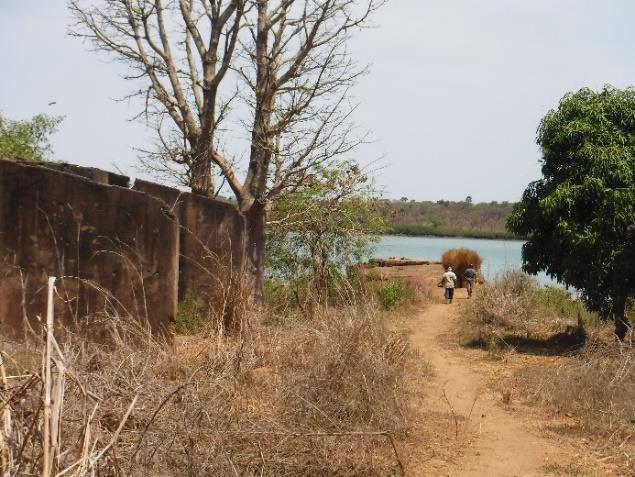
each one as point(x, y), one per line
point(470, 274)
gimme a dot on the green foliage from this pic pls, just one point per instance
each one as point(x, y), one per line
point(27, 140)
point(395, 293)
point(558, 300)
point(580, 216)
point(191, 315)
point(328, 224)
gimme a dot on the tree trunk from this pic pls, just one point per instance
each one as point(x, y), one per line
point(256, 217)
point(619, 294)
point(201, 174)
point(619, 315)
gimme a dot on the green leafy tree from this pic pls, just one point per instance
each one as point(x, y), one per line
point(579, 218)
point(327, 225)
point(27, 140)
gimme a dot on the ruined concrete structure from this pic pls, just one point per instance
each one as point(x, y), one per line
point(211, 247)
point(131, 252)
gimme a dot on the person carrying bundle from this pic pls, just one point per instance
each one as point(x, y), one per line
point(448, 281)
point(470, 279)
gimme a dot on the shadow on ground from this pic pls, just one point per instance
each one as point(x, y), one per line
point(558, 344)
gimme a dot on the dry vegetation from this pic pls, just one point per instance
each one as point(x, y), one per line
point(319, 395)
point(593, 385)
point(596, 390)
point(513, 312)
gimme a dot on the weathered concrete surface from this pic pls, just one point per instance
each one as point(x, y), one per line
point(121, 243)
point(96, 175)
point(211, 246)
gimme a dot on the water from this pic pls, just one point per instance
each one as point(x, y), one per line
point(497, 255)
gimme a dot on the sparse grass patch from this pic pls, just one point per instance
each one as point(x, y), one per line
point(593, 385)
point(597, 387)
point(565, 469)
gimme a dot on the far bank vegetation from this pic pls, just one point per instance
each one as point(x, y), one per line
point(446, 218)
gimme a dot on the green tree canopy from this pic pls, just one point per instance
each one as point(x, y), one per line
point(579, 217)
point(27, 140)
point(318, 230)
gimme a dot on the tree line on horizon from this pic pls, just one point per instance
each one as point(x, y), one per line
point(446, 218)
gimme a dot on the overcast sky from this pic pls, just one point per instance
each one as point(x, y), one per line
point(453, 99)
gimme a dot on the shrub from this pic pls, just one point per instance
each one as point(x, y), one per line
point(506, 305)
point(191, 315)
point(460, 259)
point(395, 293)
point(514, 304)
point(559, 301)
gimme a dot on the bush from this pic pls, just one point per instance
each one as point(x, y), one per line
point(504, 306)
point(559, 301)
point(514, 304)
point(460, 259)
point(395, 293)
point(191, 315)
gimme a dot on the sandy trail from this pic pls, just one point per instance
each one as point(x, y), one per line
point(501, 444)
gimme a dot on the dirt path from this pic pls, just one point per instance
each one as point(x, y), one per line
point(497, 443)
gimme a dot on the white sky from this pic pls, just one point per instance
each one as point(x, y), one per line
point(453, 99)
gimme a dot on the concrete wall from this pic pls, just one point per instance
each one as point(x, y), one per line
point(121, 243)
point(96, 175)
point(211, 245)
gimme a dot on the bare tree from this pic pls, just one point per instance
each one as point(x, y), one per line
point(182, 51)
point(292, 55)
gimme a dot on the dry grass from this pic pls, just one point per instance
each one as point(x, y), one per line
point(460, 259)
point(391, 290)
point(361, 288)
point(319, 397)
point(513, 312)
point(596, 387)
point(592, 386)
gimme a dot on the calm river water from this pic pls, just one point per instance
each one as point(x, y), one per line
point(497, 255)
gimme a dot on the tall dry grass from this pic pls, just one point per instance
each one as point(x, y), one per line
point(321, 397)
point(598, 386)
point(514, 310)
point(592, 385)
point(595, 391)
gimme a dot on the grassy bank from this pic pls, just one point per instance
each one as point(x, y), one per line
point(431, 231)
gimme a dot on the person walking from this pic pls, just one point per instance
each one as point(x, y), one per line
point(470, 279)
point(448, 281)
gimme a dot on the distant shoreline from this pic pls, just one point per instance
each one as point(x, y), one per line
point(422, 231)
